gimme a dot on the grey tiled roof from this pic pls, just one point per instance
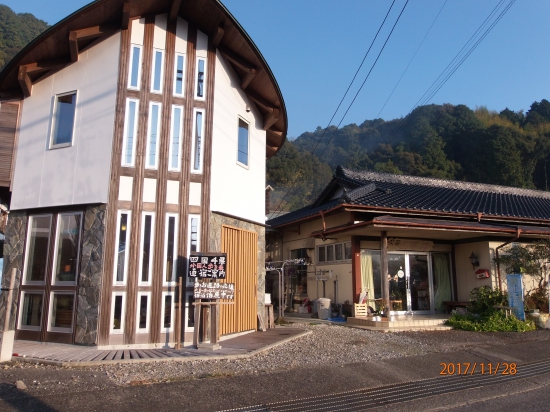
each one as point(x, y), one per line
point(426, 194)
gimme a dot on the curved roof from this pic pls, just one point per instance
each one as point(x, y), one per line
point(51, 51)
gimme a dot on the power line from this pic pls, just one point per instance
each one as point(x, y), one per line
point(341, 101)
point(358, 91)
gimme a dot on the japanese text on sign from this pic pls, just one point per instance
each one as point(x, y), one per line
point(203, 266)
point(205, 290)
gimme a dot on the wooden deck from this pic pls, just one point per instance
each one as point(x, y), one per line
point(72, 355)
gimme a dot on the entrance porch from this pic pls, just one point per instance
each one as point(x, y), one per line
point(401, 323)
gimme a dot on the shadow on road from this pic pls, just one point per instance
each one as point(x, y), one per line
point(20, 400)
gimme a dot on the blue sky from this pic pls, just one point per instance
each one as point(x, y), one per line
point(314, 48)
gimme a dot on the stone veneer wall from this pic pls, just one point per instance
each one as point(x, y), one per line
point(214, 245)
point(14, 246)
point(91, 271)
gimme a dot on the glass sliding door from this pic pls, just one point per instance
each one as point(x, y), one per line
point(397, 274)
point(419, 283)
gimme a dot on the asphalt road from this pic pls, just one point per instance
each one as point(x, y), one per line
point(81, 390)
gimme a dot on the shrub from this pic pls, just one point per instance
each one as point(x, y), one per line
point(537, 299)
point(492, 322)
point(483, 299)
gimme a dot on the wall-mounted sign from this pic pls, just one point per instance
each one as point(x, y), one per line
point(206, 290)
point(207, 265)
point(419, 245)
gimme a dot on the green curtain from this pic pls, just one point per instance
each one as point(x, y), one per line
point(442, 276)
point(367, 278)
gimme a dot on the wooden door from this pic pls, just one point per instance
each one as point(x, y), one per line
point(241, 247)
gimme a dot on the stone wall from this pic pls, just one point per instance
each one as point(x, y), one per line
point(91, 271)
point(214, 245)
point(14, 245)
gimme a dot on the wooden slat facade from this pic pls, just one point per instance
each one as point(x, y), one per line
point(9, 114)
point(241, 247)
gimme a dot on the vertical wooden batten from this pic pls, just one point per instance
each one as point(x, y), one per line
point(112, 206)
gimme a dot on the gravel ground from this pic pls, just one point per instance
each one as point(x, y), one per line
point(327, 344)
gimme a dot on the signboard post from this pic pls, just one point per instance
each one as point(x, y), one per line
point(515, 295)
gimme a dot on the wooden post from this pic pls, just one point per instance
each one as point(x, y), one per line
point(197, 324)
point(9, 301)
point(214, 323)
point(384, 270)
point(179, 315)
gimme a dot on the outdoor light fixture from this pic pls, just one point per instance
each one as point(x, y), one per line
point(474, 261)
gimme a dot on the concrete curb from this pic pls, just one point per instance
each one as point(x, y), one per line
point(77, 364)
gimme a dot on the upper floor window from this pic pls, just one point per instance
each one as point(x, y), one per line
point(130, 131)
point(151, 158)
point(198, 137)
point(63, 120)
point(242, 150)
point(179, 70)
point(175, 138)
point(201, 78)
point(134, 74)
point(158, 71)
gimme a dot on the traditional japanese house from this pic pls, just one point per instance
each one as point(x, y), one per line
point(426, 242)
point(134, 132)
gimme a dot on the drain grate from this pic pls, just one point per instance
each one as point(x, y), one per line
point(385, 395)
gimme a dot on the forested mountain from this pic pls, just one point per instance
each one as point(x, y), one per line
point(16, 31)
point(444, 141)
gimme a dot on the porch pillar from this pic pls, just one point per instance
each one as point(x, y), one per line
point(384, 270)
point(356, 267)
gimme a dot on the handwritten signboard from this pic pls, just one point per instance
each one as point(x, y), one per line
point(204, 290)
point(207, 265)
point(515, 295)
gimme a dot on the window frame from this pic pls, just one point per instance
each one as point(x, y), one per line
point(194, 142)
point(171, 142)
point(50, 328)
point(334, 260)
point(131, 66)
point(54, 282)
point(149, 130)
point(191, 281)
point(120, 331)
point(117, 241)
point(182, 94)
point(125, 134)
point(52, 145)
point(151, 249)
point(27, 246)
point(20, 307)
point(153, 70)
point(148, 312)
point(165, 252)
point(172, 312)
point(197, 97)
point(247, 164)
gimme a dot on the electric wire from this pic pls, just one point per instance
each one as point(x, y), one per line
point(279, 207)
point(312, 151)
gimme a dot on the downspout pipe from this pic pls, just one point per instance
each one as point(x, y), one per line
point(518, 234)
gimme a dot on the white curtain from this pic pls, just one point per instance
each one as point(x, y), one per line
point(367, 278)
point(442, 276)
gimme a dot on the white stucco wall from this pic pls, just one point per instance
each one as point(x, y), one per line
point(78, 174)
point(235, 189)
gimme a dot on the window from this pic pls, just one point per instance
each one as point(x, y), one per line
point(158, 71)
point(242, 150)
point(179, 70)
point(167, 313)
point(121, 252)
point(67, 247)
point(335, 253)
point(151, 157)
point(61, 312)
point(147, 242)
point(193, 239)
point(117, 312)
point(134, 74)
point(37, 249)
point(30, 315)
point(63, 120)
point(170, 248)
point(144, 300)
point(175, 138)
point(197, 143)
point(130, 132)
point(201, 78)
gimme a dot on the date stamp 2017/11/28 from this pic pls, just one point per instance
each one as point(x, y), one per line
point(468, 368)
